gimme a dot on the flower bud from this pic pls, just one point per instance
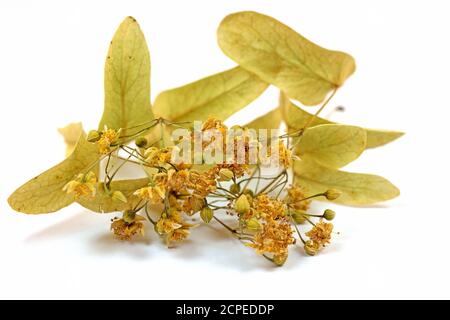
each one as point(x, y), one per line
point(242, 205)
point(299, 216)
point(329, 214)
point(119, 196)
point(311, 247)
point(235, 188)
point(253, 224)
point(93, 136)
point(279, 259)
point(332, 194)
point(141, 142)
point(129, 216)
point(206, 214)
point(225, 174)
point(248, 192)
point(196, 203)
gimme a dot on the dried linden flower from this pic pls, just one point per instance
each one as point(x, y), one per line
point(152, 194)
point(311, 247)
point(124, 230)
point(83, 185)
point(108, 138)
point(172, 228)
point(296, 198)
point(274, 237)
point(321, 233)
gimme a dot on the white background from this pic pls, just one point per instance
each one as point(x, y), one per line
point(51, 73)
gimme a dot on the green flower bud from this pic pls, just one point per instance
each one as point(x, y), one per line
point(225, 174)
point(235, 188)
point(242, 205)
point(93, 136)
point(206, 214)
point(248, 192)
point(299, 216)
point(141, 142)
point(119, 196)
point(253, 224)
point(129, 216)
point(311, 247)
point(197, 203)
point(279, 259)
point(329, 214)
point(332, 194)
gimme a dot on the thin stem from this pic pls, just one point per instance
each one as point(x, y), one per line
point(148, 216)
point(313, 215)
point(274, 181)
point(107, 165)
point(133, 150)
point(248, 181)
point(224, 225)
point(234, 232)
point(129, 136)
point(284, 182)
point(136, 208)
point(227, 191)
point(97, 161)
point(259, 179)
point(310, 197)
point(281, 189)
point(117, 170)
point(320, 110)
point(141, 124)
point(162, 134)
point(252, 178)
point(135, 162)
point(296, 228)
point(309, 220)
point(299, 133)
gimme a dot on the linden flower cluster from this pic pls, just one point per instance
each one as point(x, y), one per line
point(265, 213)
point(183, 182)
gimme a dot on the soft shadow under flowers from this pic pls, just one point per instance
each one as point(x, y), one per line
point(226, 251)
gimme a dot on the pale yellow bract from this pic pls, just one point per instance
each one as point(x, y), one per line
point(71, 133)
point(103, 201)
point(282, 57)
point(127, 79)
point(295, 118)
point(333, 145)
point(355, 188)
point(44, 193)
point(218, 96)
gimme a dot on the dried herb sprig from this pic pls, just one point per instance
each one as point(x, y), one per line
point(265, 210)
